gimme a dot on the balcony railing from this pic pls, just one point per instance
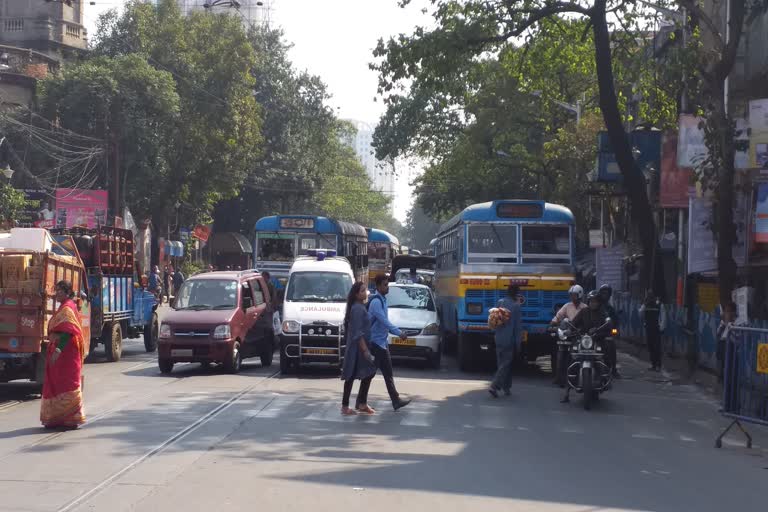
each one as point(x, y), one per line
point(13, 25)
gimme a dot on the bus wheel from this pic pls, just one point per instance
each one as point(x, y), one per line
point(465, 352)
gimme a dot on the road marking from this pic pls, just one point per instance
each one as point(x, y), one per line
point(165, 444)
point(421, 417)
point(275, 407)
point(571, 430)
point(687, 439)
point(8, 405)
point(648, 436)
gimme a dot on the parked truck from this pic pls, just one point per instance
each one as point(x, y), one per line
point(28, 279)
point(119, 307)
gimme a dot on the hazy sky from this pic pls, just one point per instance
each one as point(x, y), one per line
point(334, 39)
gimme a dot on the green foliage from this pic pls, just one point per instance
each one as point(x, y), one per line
point(419, 229)
point(12, 203)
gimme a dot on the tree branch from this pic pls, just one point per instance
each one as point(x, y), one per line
point(695, 9)
point(736, 25)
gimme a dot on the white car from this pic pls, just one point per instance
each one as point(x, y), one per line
point(412, 309)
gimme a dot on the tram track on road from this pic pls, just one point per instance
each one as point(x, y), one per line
point(97, 417)
point(170, 441)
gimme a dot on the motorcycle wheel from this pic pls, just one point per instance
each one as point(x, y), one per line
point(561, 369)
point(586, 377)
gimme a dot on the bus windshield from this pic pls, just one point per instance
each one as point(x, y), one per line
point(378, 251)
point(546, 244)
point(316, 241)
point(492, 243)
point(276, 249)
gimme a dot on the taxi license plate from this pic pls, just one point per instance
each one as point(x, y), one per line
point(411, 342)
point(320, 351)
point(181, 352)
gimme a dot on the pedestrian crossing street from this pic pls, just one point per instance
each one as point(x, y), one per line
point(503, 416)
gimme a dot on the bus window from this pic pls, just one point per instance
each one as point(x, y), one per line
point(276, 249)
point(495, 243)
point(378, 251)
point(546, 244)
point(309, 242)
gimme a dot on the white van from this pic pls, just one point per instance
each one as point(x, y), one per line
point(313, 311)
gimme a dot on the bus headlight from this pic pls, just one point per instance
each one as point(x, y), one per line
point(474, 308)
point(290, 326)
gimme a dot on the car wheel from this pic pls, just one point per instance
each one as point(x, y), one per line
point(436, 358)
point(205, 365)
point(285, 362)
point(235, 360)
point(166, 365)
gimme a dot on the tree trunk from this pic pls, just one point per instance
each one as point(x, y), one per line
point(726, 229)
point(634, 180)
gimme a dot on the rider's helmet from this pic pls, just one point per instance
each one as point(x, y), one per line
point(576, 290)
point(605, 292)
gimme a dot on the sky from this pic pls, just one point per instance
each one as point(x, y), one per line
point(334, 39)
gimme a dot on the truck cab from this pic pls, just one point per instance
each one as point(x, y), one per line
point(313, 311)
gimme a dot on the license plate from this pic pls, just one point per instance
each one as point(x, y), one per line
point(181, 352)
point(411, 342)
point(525, 336)
point(320, 351)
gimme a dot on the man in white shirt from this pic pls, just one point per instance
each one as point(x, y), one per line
point(571, 309)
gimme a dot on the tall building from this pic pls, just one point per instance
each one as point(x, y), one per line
point(381, 174)
point(53, 28)
point(253, 12)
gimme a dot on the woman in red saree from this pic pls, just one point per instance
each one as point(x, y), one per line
point(62, 405)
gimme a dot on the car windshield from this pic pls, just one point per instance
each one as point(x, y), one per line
point(410, 297)
point(201, 294)
point(318, 287)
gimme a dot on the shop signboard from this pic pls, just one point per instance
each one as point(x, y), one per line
point(761, 214)
point(691, 147)
point(609, 266)
point(758, 137)
point(702, 255)
point(80, 208)
point(673, 188)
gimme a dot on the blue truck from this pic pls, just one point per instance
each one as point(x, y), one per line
point(120, 308)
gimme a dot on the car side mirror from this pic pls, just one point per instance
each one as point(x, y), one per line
point(247, 302)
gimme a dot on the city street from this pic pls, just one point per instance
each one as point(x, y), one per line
point(202, 440)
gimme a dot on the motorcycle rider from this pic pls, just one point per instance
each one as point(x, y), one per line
point(611, 358)
point(569, 311)
point(592, 321)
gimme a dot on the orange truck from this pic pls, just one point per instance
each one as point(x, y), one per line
point(27, 303)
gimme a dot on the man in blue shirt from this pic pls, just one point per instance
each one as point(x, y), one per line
point(381, 328)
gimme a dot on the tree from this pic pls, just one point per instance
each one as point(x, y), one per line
point(12, 203)
point(716, 56)
point(420, 229)
point(125, 96)
point(217, 135)
point(435, 60)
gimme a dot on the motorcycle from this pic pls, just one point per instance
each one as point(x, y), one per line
point(588, 373)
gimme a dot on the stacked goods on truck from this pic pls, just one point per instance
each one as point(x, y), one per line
point(31, 264)
point(119, 307)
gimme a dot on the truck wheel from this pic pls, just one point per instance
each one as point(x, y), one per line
point(113, 342)
point(464, 352)
point(150, 334)
point(235, 360)
point(40, 367)
point(166, 366)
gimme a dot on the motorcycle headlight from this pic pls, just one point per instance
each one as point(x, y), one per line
point(165, 331)
point(431, 330)
point(290, 326)
point(222, 332)
point(474, 308)
point(587, 342)
point(561, 334)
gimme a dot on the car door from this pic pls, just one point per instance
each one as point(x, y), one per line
point(248, 314)
point(259, 321)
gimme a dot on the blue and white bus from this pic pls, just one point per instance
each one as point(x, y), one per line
point(382, 247)
point(280, 239)
point(487, 247)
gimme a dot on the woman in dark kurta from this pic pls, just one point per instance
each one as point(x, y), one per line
point(358, 362)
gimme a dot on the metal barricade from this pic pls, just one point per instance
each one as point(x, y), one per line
point(745, 380)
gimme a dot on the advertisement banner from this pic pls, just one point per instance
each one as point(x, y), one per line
point(39, 211)
point(702, 256)
point(741, 158)
point(80, 208)
point(673, 188)
point(761, 214)
point(201, 232)
point(758, 137)
point(691, 148)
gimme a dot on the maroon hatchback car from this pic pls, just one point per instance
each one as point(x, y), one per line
point(218, 317)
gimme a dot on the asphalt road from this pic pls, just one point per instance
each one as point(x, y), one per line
point(202, 440)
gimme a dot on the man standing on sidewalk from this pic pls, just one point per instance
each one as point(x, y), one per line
point(381, 327)
point(655, 320)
